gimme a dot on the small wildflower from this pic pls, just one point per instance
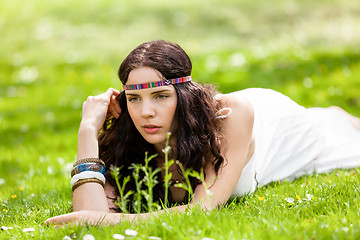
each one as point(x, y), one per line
point(118, 236)
point(5, 210)
point(309, 196)
point(66, 238)
point(21, 188)
point(88, 237)
point(289, 200)
point(154, 238)
point(25, 230)
point(3, 228)
point(260, 198)
point(166, 150)
point(298, 197)
point(14, 196)
point(130, 232)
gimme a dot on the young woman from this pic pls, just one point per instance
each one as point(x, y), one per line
point(240, 140)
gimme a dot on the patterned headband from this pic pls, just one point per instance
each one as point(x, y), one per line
point(157, 84)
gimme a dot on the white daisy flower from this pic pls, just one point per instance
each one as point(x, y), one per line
point(88, 237)
point(118, 236)
point(130, 232)
point(290, 200)
point(25, 230)
point(154, 238)
point(5, 228)
point(309, 196)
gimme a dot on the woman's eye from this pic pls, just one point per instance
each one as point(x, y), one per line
point(133, 99)
point(161, 96)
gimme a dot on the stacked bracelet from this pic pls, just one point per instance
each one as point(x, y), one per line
point(89, 160)
point(86, 175)
point(82, 167)
point(83, 181)
point(88, 170)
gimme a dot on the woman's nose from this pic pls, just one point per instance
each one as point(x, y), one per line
point(148, 109)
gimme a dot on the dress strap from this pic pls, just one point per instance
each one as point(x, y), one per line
point(219, 115)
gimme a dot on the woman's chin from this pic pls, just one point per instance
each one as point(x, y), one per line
point(154, 139)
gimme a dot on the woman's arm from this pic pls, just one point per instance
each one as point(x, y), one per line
point(238, 128)
point(91, 196)
point(238, 134)
point(106, 218)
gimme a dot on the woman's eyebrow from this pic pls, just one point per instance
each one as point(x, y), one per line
point(160, 91)
point(131, 94)
point(156, 92)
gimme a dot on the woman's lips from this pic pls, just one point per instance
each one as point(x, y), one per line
point(150, 129)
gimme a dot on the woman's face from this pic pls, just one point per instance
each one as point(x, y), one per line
point(152, 110)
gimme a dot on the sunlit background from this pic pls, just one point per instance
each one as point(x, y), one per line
point(53, 54)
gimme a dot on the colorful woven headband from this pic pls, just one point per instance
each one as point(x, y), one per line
point(158, 84)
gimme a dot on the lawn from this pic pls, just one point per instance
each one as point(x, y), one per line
point(53, 54)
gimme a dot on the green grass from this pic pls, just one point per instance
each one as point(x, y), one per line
point(54, 54)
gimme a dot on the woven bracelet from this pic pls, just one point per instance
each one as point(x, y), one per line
point(88, 180)
point(89, 160)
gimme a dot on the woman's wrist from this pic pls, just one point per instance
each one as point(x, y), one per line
point(87, 142)
point(87, 130)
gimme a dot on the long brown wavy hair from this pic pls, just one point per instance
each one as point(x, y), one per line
point(197, 131)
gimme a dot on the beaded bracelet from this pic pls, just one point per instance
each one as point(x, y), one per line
point(87, 180)
point(91, 166)
point(89, 160)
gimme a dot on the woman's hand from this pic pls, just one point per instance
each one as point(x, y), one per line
point(96, 108)
point(81, 218)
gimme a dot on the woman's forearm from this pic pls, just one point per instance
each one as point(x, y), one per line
point(87, 142)
point(85, 217)
point(89, 196)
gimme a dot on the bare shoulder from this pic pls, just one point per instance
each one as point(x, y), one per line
point(238, 127)
point(242, 110)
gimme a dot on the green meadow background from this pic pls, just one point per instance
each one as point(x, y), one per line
point(53, 54)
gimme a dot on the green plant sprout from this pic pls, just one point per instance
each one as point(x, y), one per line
point(167, 165)
point(138, 183)
point(122, 202)
point(150, 181)
point(187, 187)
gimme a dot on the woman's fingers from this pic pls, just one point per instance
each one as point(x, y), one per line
point(97, 108)
point(113, 111)
point(111, 92)
point(114, 107)
point(63, 219)
point(82, 217)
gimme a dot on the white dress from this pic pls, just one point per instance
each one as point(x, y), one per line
point(291, 140)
